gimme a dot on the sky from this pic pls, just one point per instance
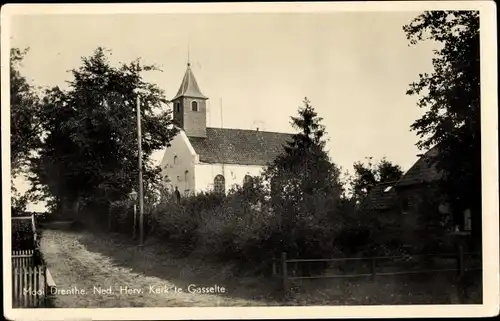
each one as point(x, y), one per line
point(354, 67)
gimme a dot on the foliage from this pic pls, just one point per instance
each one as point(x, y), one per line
point(305, 191)
point(24, 104)
point(89, 150)
point(451, 97)
point(237, 227)
point(22, 235)
point(19, 204)
point(24, 126)
point(304, 171)
point(177, 223)
point(368, 175)
point(365, 232)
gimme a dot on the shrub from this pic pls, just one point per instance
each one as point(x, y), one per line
point(22, 235)
point(235, 231)
point(121, 216)
point(245, 228)
point(177, 223)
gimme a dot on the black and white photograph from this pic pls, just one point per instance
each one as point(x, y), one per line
point(257, 156)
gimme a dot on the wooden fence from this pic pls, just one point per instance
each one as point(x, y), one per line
point(29, 286)
point(286, 278)
point(32, 283)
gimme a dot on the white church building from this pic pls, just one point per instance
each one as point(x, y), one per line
point(203, 158)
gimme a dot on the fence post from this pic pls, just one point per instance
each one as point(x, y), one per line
point(373, 266)
point(47, 294)
point(284, 272)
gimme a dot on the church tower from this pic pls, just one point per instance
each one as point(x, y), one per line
point(190, 108)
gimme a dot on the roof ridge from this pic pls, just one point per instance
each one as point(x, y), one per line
point(250, 130)
point(420, 159)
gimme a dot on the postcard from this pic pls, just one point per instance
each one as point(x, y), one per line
point(257, 160)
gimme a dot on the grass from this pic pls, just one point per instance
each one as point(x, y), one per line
point(432, 288)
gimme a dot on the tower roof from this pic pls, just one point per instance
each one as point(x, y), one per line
point(189, 86)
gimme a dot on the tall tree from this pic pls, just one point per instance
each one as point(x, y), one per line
point(24, 127)
point(89, 152)
point(369, 174)
point(305, 168)
point(24, 103)
point(451, 97)
point(305, 184)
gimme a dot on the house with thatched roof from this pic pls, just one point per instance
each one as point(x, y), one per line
point(413, 202)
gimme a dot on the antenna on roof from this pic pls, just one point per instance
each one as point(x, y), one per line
point(221, 126)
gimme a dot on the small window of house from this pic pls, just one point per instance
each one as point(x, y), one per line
point(219, 184)
point(194, 106)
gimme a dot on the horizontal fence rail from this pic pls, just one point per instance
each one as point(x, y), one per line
point(23, 258)
point(459, 269)
point(403, 257)
point(339, 276)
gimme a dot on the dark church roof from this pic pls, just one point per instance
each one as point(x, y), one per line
point(423, 171)
point(189, 86)
point(239, 146)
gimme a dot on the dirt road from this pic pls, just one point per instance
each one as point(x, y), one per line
point(88, 278)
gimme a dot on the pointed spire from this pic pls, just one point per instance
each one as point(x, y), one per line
point(189, 86)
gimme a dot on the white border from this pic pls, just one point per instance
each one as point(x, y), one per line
point(489, 146)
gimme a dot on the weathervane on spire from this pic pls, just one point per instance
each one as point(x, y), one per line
point(189, 61)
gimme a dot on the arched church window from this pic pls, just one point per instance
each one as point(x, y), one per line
point(219, 184)
point(178, 107)
point(194, 106)
point(175, 160)
point(247, 180)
